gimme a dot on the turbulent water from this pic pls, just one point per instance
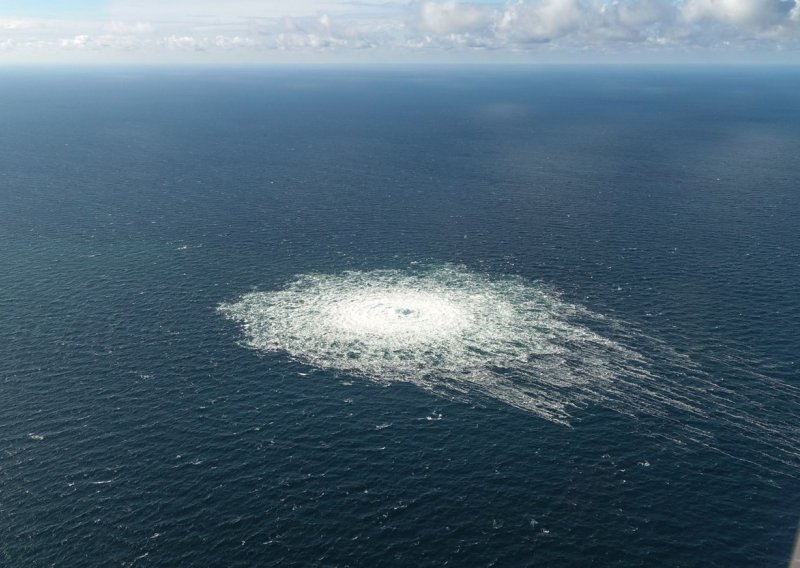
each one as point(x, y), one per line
point(399, 317)
point(464, 335)
point(446, 330)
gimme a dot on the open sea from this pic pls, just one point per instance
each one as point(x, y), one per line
point(399, 317)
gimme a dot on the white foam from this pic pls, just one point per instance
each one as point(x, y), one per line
point(467, 336)
point(444, 329)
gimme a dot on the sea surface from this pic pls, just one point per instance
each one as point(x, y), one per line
point(402, 316)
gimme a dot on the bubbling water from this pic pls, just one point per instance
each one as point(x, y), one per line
point(401, 316)
point(444, 329)
point(466, 336)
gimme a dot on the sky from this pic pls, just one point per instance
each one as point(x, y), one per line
point(248, 32)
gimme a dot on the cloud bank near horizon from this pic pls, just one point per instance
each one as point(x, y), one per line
point(253, 31)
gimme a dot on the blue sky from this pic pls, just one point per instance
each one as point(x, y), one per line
point(407, 31)
point(49, 8)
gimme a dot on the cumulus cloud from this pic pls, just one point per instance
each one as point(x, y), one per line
point(253, 30)
point(451, 17)
point(744, 13)
point(543, 21)
point(592, 23)
point(79, 41)
point(587, 22)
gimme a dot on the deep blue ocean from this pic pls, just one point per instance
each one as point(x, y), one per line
point(138, 427)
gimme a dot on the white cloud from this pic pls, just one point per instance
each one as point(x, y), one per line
point(543, 20)
point(263, 31)
point(235, 42)
point(79, 41)
point(451, 17)
point(745, 13)
point(12, 24)
point(183, 42)
point(236, 10)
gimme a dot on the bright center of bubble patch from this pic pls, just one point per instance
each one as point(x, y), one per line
point(397, 317)
point(445, 329)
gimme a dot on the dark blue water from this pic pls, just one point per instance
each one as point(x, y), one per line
point(135, 429)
